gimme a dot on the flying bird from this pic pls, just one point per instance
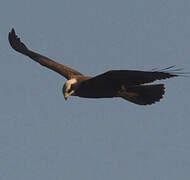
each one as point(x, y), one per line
point(131, 85)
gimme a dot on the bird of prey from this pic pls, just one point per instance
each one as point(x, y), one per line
point(132, 85)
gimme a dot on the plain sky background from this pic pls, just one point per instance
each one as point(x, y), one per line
point(43, 137)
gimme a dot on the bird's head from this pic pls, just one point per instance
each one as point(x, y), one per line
point(69, 88)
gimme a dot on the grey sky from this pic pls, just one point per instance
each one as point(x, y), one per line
point(44, 137)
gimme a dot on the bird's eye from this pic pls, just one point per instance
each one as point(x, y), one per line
point(69, 90)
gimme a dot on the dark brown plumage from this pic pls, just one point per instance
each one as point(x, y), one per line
point(128, 84)
point(17, 45)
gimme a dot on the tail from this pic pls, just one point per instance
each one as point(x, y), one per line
point(144, 94)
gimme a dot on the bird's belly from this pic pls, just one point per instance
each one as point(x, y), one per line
point(95, 93)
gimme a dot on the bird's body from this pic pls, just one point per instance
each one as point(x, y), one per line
point(127, 84)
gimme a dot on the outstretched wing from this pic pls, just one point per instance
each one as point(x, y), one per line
point(17, 45)
point(132, 77)
point(110, 83)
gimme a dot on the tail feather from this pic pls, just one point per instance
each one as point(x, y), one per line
point(144, 94)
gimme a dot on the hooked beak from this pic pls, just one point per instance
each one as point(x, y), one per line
point(66, 94)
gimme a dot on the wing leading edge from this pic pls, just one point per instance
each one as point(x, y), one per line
point(19, 46)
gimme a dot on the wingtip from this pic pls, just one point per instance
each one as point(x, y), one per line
point(16, 44)
point(172, 71)
point(12, 32)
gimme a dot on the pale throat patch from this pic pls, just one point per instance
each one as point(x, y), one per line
point(70, 82)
